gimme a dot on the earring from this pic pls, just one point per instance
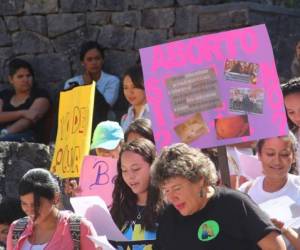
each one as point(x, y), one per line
point(201, 193)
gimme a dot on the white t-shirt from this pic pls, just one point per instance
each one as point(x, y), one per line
point(259, 195)
point(28, 246)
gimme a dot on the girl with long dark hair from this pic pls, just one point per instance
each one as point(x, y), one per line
point(136, 202)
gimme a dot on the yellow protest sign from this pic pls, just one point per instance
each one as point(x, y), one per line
point(73, 136)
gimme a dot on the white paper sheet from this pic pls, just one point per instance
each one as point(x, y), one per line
point(95, 210)
point(294, 223)
point(250, 166)
point(284, 209)
point(101, 241)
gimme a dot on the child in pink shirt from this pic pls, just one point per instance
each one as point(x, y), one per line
point(45, 227)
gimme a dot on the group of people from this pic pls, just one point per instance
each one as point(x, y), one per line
point(240, 67)
point(167, 201)
point(25, 106)
point(243, 102)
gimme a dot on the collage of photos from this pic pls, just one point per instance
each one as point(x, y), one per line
point(192, 93)
point(198, 91)
point(241, 71)
point(241, 100)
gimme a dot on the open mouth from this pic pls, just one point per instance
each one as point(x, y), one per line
point(134, 185)
point(278, 168)
point(132, 99)
point(180, 206)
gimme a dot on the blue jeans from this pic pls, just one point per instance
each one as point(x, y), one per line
point(26, 136)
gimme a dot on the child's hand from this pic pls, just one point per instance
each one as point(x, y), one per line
point(71, 187)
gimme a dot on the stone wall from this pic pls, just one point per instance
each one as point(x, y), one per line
point(48, 32)
point(16, 159)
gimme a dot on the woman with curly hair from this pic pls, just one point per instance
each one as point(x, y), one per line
point(201, 215)
point(136, 202)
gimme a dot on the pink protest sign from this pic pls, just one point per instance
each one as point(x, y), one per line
point(97, 177)
point(214, 90)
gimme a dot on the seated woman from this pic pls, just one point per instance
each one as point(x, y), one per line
point(201, 215)
point(278, 158)
point(107, 85)
point(46, 227)
point(136, 202)
point(134, 91)
point(23, 107)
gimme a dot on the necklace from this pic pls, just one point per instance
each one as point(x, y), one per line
point(140, 211)
point(138, 217)
point(17, 101)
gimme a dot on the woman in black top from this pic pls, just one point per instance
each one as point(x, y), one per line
point(23, 107)
point(201, 215)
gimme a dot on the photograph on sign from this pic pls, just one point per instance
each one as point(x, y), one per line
point(246, 100)
point(231, 127)
point(192, 128)
point(194, 92)
point(241, 71)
